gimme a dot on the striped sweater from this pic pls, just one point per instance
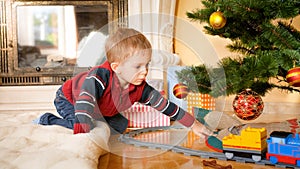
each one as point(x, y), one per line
point(97, 93)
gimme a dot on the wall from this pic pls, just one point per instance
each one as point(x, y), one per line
point(188, 56)
point(14, 99)
point(182, 50)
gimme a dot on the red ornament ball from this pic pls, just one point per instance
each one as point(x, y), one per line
point(180, 90)
point(248, 105)
point(293, 77)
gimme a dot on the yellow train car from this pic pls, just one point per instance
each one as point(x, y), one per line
point(251, 143)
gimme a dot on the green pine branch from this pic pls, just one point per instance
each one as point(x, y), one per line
point(266, 44)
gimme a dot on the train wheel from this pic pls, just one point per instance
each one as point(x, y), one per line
point(256, 158)
point(229, 155)
point(273, 160)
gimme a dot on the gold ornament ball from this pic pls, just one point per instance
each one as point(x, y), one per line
point(217, 20)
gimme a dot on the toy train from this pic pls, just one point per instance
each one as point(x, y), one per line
point(279, 147)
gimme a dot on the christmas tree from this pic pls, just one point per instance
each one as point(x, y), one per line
point(266, 45)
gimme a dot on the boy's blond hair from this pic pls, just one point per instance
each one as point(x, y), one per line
point(126, 42)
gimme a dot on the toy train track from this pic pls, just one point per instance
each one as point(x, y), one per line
point(128, 138)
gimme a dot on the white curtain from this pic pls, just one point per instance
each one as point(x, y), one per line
point(155, 18)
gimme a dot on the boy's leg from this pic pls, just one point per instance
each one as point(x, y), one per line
point(118, 122)
point(64, 108)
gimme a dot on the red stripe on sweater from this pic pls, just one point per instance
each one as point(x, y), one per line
point(81, 128)
point(162, 105)
point(187, 120)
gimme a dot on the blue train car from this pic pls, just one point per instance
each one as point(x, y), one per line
point(283, 147)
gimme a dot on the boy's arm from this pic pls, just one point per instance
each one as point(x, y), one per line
point(92, 89)
point(82, 124)
point(153, 98)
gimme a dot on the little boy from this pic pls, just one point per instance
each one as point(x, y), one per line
point(106, 90)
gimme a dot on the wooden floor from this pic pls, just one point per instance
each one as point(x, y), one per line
point(167, 160)
point(131, 157)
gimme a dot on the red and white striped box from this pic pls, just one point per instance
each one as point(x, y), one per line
point(142, 116)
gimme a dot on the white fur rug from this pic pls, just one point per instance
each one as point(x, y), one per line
point(25, 145)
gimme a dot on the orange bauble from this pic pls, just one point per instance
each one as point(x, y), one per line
point(180, 90)
point(293, 77)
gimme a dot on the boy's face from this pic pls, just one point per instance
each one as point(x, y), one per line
point(134, 69)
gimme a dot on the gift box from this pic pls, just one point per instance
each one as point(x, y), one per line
point(192, 99)
point(200, 100)
point(142, 116)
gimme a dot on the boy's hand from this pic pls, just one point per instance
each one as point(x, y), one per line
point(81, 128)
point(200, 129)
point(82, 124)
